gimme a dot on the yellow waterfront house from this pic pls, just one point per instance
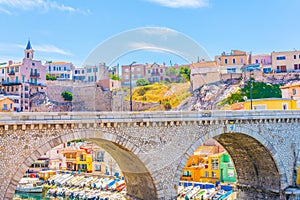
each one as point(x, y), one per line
point(84, 162)
point(77, 160)
point(272, 104)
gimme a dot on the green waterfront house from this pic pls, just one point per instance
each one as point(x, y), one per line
point(227, 171)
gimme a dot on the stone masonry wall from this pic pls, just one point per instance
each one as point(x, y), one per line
point(91, 97)
point(153, 148)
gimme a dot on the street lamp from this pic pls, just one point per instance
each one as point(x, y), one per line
point(251, 87)
point(130, 74)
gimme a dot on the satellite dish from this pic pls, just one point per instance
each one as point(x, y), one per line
point(245, 98)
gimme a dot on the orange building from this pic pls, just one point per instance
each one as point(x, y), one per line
point(231, 63)
point(6, 104)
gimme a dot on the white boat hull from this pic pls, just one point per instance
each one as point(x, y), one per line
point(37, 189)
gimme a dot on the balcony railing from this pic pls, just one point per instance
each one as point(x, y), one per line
point(10, 83)
point(11, 73)
point(155, 74)
point(34, 75)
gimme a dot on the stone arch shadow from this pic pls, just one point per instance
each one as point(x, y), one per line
point(138, 180)
point(256, 161)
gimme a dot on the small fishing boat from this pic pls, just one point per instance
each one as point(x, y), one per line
point(192, 193)
point(30, 185)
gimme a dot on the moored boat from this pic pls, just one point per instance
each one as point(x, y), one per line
point(30, 185)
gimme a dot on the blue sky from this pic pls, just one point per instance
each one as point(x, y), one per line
point(69, 30)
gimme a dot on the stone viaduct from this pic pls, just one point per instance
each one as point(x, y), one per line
point(151, 148)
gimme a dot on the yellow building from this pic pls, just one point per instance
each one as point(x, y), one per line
point(6, 104)
point(84, 162)
point(77, 159)
point(204, 164)
point(211, 171)
point(213, 168)
point(272, 104)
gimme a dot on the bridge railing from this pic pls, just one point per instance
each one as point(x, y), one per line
point(145, 116)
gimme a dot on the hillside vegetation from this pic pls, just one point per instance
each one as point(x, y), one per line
point(169, 95)
point(259, 90)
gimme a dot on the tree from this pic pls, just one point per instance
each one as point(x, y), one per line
point(68, 96)
point(142, 82)
point(185, 72)
point(114, 77)
point(50, 78)
point(259, 90)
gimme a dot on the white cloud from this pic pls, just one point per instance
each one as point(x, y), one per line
point(5, 11)
point(182, 3)
point(48, 48)
point(42, 5)
point(52, 49)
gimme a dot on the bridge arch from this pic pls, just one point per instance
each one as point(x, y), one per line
point(139, 182)
point(257, 162)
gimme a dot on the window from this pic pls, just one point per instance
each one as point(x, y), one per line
point(226, 61)
point(231, 70)
point(3, 71)
point(294, 91)
point(256, 61)
point(33, 64)
point(126, 70)
point(280, 58)
point(242, 60)
point(213, 174)
point(285, 106)
point(295, 56)
point(23, 79)
point(259, 107)
point(65, 68)
point(233, 60)
point(149, 71)
point(214, 164)
point(206, 174)
point(17, 69)
point(4, 107)
point(296, 66)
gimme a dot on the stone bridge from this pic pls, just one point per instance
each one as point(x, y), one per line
point(151, 148)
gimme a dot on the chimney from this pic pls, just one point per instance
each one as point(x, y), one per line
point(10, 62)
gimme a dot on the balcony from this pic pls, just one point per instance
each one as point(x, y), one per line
point(155, 74)
point(34, 75)
point(11, 73)
point(10, 83)
point(36, 84)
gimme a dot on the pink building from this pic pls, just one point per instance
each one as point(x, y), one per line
point(265, 61)
point(24, 79)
